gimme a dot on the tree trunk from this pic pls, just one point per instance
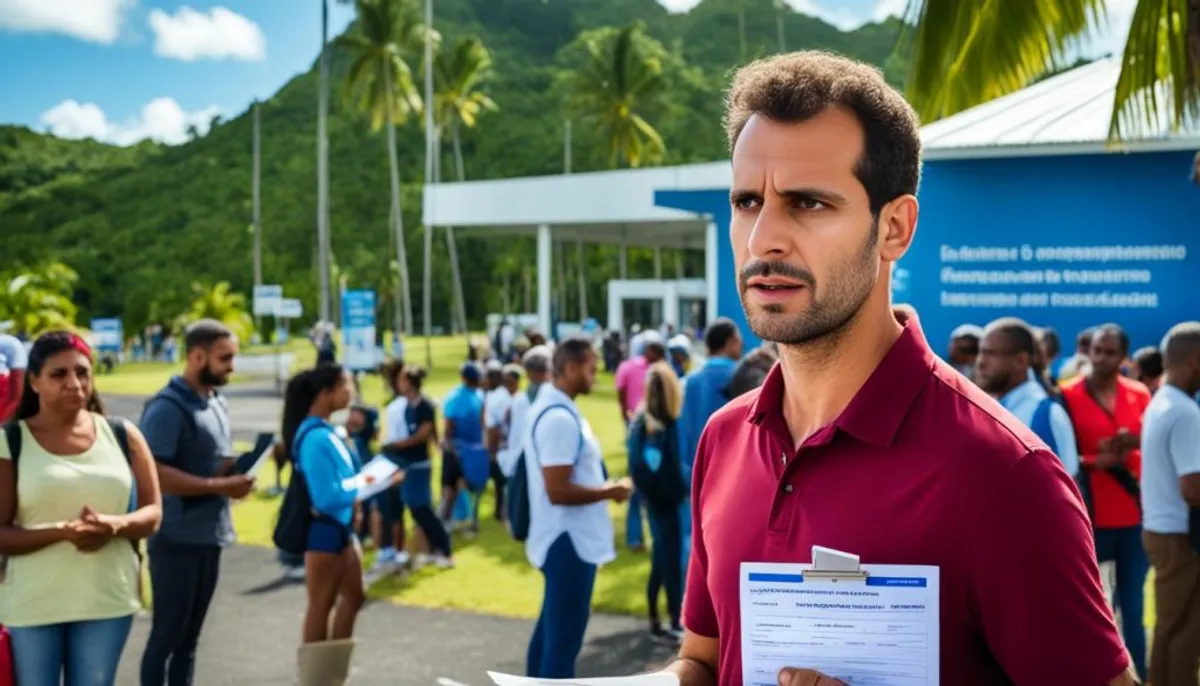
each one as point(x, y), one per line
point(397, 212)
point(459, 301)
point(779, 10)
point(398, 295)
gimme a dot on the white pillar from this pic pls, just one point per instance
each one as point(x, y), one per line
point(583, 306)
point(670, 306)
point(544, 271)
point(710, 271)
point(616, 320)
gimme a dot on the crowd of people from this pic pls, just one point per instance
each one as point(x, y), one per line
point(1012, 468)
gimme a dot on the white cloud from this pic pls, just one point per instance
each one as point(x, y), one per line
point(885, 9)
point(162, 119)
point(98, 21)
point(220, 34)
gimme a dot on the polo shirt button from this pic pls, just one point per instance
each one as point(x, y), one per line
point(787, 488)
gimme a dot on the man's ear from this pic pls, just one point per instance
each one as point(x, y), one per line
point(897, 227)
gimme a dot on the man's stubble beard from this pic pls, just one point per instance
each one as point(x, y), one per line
point(826, 318)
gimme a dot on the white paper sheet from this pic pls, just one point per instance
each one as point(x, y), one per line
point(382, 470)
point(638, 680)
point(883, 632)
point(262, 460)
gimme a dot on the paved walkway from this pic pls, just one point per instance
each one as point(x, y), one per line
point(253, 630)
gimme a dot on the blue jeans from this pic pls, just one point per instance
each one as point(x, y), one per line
point(566, 608)
point(1124, 547)
point(635, 536)
point(87, 653)
point(666, 562)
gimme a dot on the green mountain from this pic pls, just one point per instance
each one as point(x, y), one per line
point(140, 224)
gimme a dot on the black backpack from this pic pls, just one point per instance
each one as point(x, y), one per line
point(296, 512)
point(665, 487)
point(12, 434)
point(518, 485)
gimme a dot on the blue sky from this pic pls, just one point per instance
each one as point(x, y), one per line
point(124, 70)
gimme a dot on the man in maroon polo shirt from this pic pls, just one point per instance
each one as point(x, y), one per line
point(861, 439)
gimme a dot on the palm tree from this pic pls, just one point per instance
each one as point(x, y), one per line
point(621, 78)
point(221, 303)
point(382, 82)
point(966, 53)
point(459, 76)
point(39, 299)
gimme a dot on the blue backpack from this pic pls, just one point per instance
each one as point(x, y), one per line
point(518, 485)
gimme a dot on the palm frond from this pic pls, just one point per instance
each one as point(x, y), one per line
point(1159, 86)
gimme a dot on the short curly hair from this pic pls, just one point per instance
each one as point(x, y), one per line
point(798, 86)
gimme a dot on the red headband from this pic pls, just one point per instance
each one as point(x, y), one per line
point(81, 345)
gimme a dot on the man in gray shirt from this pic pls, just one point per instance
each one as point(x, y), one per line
point(1170, 489)
point(187, 428)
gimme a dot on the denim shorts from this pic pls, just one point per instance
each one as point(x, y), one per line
point(328, 536)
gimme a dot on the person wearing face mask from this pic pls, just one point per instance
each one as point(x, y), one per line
point(85, 490)
point(187, 428)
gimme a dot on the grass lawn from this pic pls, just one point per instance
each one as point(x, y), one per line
point(492, 574)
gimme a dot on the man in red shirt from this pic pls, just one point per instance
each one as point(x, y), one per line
point(1106, 410)
point(861, 439)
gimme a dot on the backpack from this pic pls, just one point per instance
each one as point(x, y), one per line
point(188, 415)
point(662, 484)
point(296, 512)
point(518, 485)
point(1040, 424)
point(12, 434)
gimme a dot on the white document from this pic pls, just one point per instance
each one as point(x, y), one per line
point(881, 631)
point(639, 680)
point(382, 470)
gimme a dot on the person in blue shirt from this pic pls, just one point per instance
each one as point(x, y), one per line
point(705, 390)
point(333, 559)
point(1005, 370)
point(465, 458)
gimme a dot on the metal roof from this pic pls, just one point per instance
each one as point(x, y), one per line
point(1065, 114)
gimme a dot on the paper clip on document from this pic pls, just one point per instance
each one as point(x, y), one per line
point(834, 565)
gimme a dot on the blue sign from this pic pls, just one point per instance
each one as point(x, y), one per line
point(108, 335)
point(358, 330)
point(1067, 242)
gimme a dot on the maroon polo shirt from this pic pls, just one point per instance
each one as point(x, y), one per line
point(921, 468)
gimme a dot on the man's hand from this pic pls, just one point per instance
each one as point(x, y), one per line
point(1109, 455)
point(237, 487)
point(806, 677)
point(620, 489)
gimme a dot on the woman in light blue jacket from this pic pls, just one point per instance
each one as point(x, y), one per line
point(333, 559)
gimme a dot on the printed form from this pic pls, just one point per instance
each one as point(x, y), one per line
point(878, 630)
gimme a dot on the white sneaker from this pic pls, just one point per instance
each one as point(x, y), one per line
point(422, 560)
point(443, 562)
point(402, 558)
point(293, 573)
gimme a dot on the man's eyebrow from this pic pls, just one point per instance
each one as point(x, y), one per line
point(820, 194)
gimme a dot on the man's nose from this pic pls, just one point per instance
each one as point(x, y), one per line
point(771, 235)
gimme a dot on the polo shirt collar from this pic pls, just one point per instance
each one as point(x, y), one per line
point(875, 413)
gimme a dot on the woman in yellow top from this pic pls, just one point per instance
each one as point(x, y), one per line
point(71, 584)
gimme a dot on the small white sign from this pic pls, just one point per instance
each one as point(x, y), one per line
point(266, 299)
point(289, 308)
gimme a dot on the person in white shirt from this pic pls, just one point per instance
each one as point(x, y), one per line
point(1170, 498)
point(536, 362)
point(387, 512)
point(502, 380)
point(570, 533)
point(1005, 370)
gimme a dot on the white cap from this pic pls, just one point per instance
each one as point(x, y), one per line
point(680, 341)
point(494, 366)
point(967, 330)
point(651, 336)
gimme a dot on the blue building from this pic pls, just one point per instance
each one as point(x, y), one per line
point(1025, 211)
